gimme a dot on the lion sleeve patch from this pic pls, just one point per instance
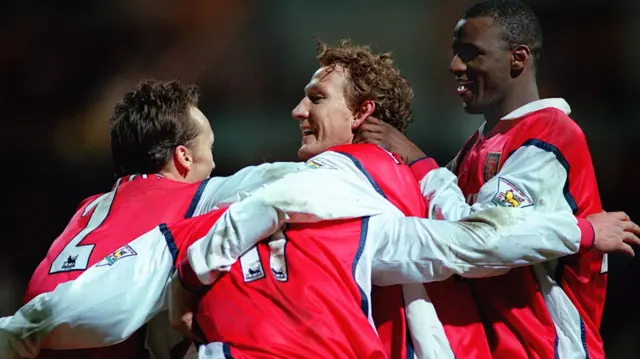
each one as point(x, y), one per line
point(509, 195)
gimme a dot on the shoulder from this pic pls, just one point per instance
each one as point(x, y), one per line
point(550, 124)
point(367, 152)
point(368, 157)
point(551, 130)
point(364, 160)
point(88, 200)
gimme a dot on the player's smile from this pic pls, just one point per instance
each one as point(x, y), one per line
point(309, 133)
point(466, 89)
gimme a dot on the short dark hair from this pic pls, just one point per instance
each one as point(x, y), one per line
point(519, 24)
point(373, 76)
point(148, 123)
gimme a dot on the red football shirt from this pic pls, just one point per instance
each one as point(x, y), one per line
point(101, 225)
point(298, 295)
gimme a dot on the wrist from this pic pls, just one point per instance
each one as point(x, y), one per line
point(414, 155)
point(587, 234)
point(422, 166)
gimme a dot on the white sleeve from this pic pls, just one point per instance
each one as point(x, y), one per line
point(530, 178)
point(239, 228)
point(488, 243)
point(337, 190)
point(103, 306)
point(219, 192)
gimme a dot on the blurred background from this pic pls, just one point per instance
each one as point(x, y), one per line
point(65, 64)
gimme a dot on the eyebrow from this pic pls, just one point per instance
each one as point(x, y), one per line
point(464, 45)
point(307, 88)
point(316, 87)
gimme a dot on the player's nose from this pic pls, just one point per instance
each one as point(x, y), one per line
point(457, 66)
point(301, 112)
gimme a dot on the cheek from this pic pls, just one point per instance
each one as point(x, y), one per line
point(340, 131)
point(204, 157)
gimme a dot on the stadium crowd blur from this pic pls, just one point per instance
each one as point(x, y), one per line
point(64, 64)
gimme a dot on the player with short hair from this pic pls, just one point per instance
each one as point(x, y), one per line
point(162, 151)
point(528, 148)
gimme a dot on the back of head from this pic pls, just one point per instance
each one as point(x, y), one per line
point(518, 22)
point(373, 76)
point(148, 123)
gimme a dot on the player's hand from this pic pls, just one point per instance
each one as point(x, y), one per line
point(614, 232)
point(381, 133)
point(182, 304)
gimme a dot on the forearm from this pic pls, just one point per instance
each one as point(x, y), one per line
point(485, 244)
point(306, 196)
point(220, 192)
point(239, 228)
point(531, 179)
point(103, 306)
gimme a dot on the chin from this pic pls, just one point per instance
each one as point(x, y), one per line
point(310, 150)
point(304, 153)
point(472, 110)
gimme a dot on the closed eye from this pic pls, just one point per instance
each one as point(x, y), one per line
point(315, 98)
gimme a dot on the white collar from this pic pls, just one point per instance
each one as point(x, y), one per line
point(538, 105)
point(534, 106)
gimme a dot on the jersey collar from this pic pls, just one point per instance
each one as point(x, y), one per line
point(538, 105)
point(129, 178)
point(531, 107)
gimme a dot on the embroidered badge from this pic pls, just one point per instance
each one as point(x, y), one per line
point(509, 195)
point(123, 252)
point(491, 165)
point(318, 163)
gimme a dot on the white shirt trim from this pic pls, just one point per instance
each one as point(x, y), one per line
point(538, 105)
point(534, 106)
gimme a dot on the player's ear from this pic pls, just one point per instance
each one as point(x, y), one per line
point(366, 109)
point(183, 159)
point(520, 57)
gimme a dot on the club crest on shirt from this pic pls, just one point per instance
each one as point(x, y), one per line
point(122, 252)
point(319, 163)
point(509, 195)
point(491, 165)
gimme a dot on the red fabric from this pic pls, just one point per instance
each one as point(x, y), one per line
point(510, 308)
point(139, 205)
point(298, 317)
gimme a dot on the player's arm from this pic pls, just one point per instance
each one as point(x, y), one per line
point(103, 306)
point(336, 190)
point(488, 243)
point(535, 171)
point(219, 192)
point(531, 176)
point(534, 177)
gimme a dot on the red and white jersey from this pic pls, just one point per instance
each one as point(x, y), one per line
point(306, 293)
point(103, 223)
point(537, 160)
point(387, 306)
point(334, 187)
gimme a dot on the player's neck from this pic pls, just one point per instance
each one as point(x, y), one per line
point(172, 175)
point(518, 97)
